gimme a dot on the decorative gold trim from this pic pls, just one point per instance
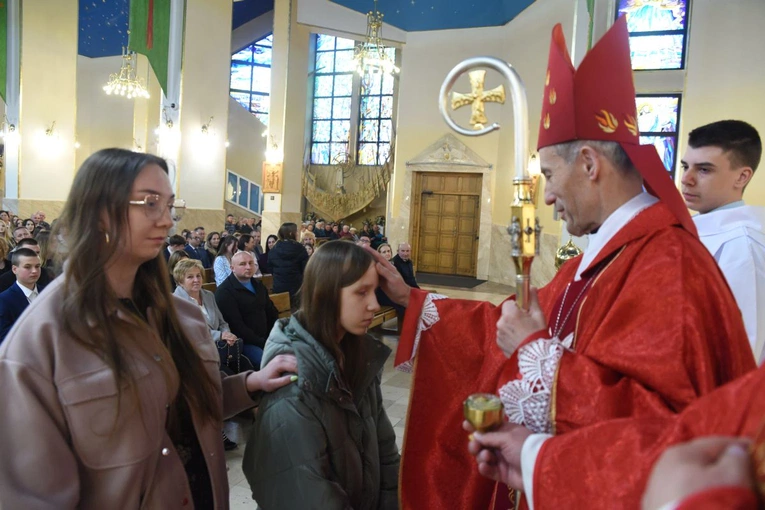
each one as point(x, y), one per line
point(547, 121)
point(547, 78)
point(553, 96)
point(631, 124)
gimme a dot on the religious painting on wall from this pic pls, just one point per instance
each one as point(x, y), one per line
point(272, 177)
point(658, 30)
point(658, 117)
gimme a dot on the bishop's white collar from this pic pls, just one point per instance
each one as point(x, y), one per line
point(613, 224)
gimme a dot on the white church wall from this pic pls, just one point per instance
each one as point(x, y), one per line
point(102, 121)
point(426, 59)
point(247, 145)
point(726, 77)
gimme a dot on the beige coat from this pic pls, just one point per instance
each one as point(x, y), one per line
point(58, 403)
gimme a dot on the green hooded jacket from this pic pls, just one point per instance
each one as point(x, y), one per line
point(317, 444)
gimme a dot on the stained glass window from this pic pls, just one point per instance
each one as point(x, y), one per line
point(332, 99)
point(658, 29)
point(251, 78)
point(376, 118)
point(658, 117)
point(349, 116)
point(244, 193)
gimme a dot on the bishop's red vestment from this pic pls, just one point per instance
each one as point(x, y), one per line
point(656, 328)
point(607, 465)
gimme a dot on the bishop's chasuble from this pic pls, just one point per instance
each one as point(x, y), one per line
point(649, 326)
point(606, 466)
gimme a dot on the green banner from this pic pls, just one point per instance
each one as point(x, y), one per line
point(591, 12)
point(3, 47)
point(150, 34)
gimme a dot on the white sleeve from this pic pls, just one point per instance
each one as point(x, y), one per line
point(742, 261)
point(529, 454)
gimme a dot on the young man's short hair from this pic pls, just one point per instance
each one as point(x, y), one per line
point(176, 240)
point(735, 137)
point(22, 252)
point(27, 241)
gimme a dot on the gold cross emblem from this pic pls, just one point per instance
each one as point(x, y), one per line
point(477, 97)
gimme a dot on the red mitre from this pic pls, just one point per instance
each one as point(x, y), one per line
point(597, 102)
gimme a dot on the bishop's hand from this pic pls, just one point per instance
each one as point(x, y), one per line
point(696, 466)
point(515, 324)
point(498, 453)
point(390, 279)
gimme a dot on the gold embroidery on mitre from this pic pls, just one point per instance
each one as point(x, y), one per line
point(607, 122)
point(631, 124)
point(553, 96)
point(546, 122)
point(547, 79)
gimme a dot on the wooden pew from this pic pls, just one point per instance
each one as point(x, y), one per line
point(383, 314)
point(282, 303)
point(267, 280)
point(209, 275)
point(211, 286)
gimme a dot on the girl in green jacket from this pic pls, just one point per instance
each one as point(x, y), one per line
point(326, 442)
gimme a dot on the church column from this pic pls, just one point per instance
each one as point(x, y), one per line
point(201, 170)
point(48, 108)
point(13, 99)
point(289, 92)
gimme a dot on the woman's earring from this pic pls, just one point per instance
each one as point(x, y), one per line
point(106, 235)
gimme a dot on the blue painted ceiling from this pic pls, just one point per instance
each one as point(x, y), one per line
point(104, 23)
point(418, 15)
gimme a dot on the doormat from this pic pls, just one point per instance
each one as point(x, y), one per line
point(462, 282)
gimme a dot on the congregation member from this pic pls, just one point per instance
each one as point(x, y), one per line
point(247, 243)
point(243, 300)
point(7, 279)
point(39, 219)
point(377, 237)
point(20, 233)
point(718, 164)
point(121, 391)
point(265, 267)
point(222, 264)
point(319, 230)
point(245, 226)
point(364, 241)
point(172, 262)
point(309, 249)
point(326, 442)
point(594, 335)
point(196, 251)
point(230, 225)
point(386, 251)
point(174, 244)
point(346, 233)
point(5, 217)
point(5, 233)
point(212, 244)
point(27, 267)
point(257, 248)
point(29, 224)
point(402, 261)
point(189, 276)
point(5, 261)
point(200, 231)
point(287, 260)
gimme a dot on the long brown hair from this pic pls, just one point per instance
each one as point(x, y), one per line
point(333, 266)
point(101, 191)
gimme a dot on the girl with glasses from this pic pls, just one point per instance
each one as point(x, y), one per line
point(116, 383)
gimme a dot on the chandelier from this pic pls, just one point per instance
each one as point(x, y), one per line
point(126, 82)
point(371, 56)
